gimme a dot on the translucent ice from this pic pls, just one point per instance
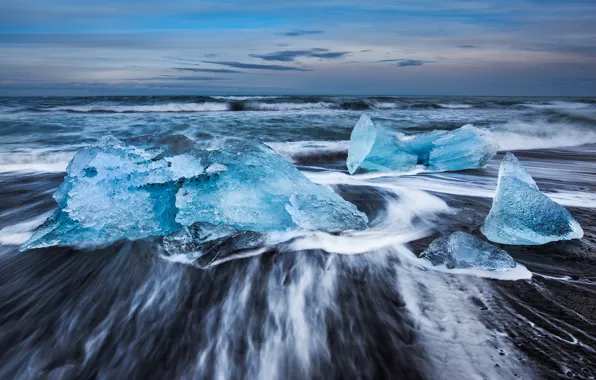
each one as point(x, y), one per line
point(260, 191)
point(521, 214)
point(462, 250)
point(204, 244)
point(373, 148)
point(464, 148)
point(151, 187)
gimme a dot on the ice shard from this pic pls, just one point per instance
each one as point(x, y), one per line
point(522, 215)
point(462, 250)
point(374, 148)
point(152, 187)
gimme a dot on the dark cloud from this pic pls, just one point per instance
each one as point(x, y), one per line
point(291, 55)
point(210, 55)
point(255, 66)
point(366, 51)
point(410, 62)
point(179, 78)
point(406, 62)
point(467, 46)
point(195, 78)
point(198, 70)
point(296, 33)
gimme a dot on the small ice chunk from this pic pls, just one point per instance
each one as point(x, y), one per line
point(522, 215)
point(462, 250)
point(373, 148)
point(205, 244)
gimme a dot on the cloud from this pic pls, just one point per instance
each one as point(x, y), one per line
point(197, 70)
point(201, 78)
point(210, 55)
point(166, 78)
point(291, 55)
point(255, 66)
point(467, 46)
point(300, 32)
point(182, 59)
point(410, 62)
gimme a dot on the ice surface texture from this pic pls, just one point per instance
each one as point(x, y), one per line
point(152, 187)
point(462, 250)
point(205, 244)
point(521, 214)
point(374, 148)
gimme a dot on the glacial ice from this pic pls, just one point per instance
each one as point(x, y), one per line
point(374, 148)
point(153, 186)
point(462, 250)
point(522, 215)
point(205, 244)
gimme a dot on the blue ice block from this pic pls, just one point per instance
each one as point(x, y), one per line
point(521, 214)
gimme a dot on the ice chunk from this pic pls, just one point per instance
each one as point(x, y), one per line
point(261, 191)
point(373, 148)
point(464, 148)
point(462, 250)
point(521, 214)
point(206, 244)
point(151, 187)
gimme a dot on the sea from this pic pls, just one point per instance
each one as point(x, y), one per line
point(321, 306)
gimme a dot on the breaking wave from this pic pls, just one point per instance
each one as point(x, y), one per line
point(525, 135)
point(35, 161)
point(280, 103)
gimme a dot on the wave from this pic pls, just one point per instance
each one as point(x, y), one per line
point(255, 106)
point(298, 150)
point(34, 161)
point(542, 134)
point(456, 106)
point(170, 107)
point(560, 104)
point(17, 234)
point(241, 103)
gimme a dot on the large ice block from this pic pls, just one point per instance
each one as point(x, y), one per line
point(256, 189)
point(374, 148)
point(151, 187)
point(521, 214)
point(462, 250)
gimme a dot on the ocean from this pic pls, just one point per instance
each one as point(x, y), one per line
point(322, 305)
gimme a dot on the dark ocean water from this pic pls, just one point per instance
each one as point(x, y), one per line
point(323, 306)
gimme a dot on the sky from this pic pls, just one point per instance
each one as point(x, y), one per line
point(334, 47)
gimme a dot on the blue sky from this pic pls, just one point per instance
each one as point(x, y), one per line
point(424, 47)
